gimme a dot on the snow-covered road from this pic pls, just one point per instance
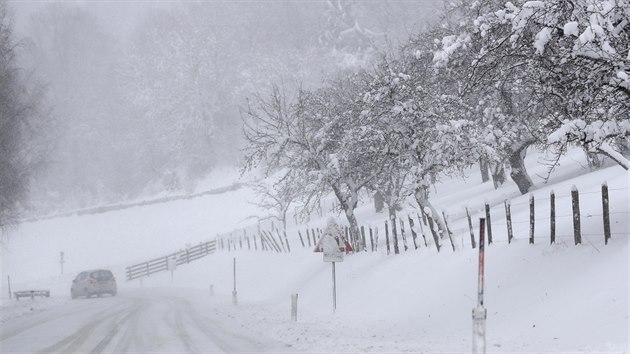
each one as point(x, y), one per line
point(138, 321)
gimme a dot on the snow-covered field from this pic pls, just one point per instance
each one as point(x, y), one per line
point(540, 298)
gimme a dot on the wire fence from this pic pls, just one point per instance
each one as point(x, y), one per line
point(545, 216)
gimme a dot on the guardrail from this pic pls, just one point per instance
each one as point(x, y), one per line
point(161, 264)
point(31, 294)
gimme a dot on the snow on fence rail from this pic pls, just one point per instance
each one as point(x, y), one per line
point(422, 230)
point(160, 264)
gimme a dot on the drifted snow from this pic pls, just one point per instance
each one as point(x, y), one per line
point(540, 298)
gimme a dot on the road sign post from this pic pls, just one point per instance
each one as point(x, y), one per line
point(332, 254)
point(171, 264)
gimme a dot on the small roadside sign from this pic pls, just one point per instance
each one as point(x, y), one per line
point(332, 253)
point(171, 263)
point(333, 257)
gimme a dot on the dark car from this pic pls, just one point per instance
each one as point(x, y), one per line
point(94, 282)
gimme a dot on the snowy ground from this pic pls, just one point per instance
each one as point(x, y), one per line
point(540, 298)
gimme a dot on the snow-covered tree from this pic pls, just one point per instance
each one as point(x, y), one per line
point(314, 138)
point(421, 123)
point(568, 60)
point(498, 81)
point(277, 194)
point(20, 145)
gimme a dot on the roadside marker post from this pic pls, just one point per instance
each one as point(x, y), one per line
point(61, 261)
point(294, 304)
point(479, 313)
point(234, 299)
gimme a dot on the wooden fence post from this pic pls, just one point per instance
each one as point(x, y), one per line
point(422, 229)
point(301, 239)
point(286, 240)
point(531, 219)
point(448, 231)
point(436, 238)
point(363, 238)
point(313, 234)
point(275, 242)
point(606, 211)
point(394, 235)
point(552, 216)
point(414, 234)
point(264, 242)
point(472, 233)
point(387, 237)
point(488, 223)
point(508, 217)
point(575, 197)
point(371, 239)
point(280, 238)
point(402, 234)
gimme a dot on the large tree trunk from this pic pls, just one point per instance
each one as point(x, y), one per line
point(498, 175)
point(483, 166)
point(422, 198)
point(623, 146)
point(519, 172)
point(378, 202)
point(594, 160)
point(348, 204)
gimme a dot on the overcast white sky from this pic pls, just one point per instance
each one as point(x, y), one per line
point(120, 14)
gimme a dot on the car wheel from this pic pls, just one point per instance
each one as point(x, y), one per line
point(113, 293)
point(72, 294)
point(87, 293)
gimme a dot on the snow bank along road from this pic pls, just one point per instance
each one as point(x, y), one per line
point(137, 321)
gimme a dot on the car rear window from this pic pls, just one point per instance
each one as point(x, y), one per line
point(101, 274)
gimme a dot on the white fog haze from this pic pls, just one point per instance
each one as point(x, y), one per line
point(145, 96)
point(314, 176)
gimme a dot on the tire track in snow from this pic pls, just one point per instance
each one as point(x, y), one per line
point(74, 341)
point(37, 321)
point(115, 326)
point(131, 334)
point(178, 325)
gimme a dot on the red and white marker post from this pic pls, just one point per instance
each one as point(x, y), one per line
point(479, 313)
